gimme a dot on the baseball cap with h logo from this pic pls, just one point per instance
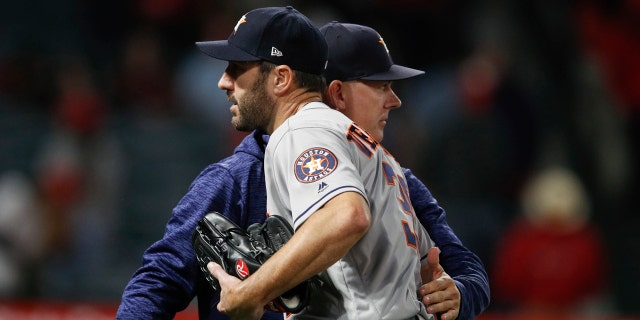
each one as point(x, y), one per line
point(280, 35)
point(358, 52)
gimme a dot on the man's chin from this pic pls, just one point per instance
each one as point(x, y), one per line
point(240, 126)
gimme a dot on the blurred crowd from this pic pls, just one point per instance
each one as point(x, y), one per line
point(525, 127)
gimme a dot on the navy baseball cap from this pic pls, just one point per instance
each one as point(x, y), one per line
point(358, 52)
point(280, 35)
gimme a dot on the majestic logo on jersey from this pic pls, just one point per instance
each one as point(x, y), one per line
point(323, 185)
point(241, 269)
point(314, 164)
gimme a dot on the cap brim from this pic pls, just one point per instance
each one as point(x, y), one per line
point(396, 72)
point(222, 50)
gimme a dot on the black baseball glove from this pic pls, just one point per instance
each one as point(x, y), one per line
point(241, 253)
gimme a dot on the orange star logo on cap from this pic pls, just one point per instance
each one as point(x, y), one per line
point(381, 41)
point(242, 20)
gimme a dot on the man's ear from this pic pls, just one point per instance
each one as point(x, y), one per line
point(335, 95)
point(283, 79)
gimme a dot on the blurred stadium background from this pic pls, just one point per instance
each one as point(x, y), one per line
point(108, 111)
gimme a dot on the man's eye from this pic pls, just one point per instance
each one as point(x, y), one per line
point(235, 69)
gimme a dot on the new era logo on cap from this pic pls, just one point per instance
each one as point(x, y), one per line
point(275, 52)
point(280, 35)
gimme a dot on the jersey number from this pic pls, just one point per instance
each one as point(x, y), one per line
point(368, 145)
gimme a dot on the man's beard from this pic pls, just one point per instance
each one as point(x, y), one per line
point(254, 109)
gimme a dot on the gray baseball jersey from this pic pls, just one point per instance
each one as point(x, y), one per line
point(319, 153)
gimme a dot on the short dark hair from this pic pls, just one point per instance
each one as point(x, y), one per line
point(311, 82)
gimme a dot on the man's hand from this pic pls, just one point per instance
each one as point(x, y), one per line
point(231, 302)
point(439, 293)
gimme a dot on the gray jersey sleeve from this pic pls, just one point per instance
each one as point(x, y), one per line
point(314, 168)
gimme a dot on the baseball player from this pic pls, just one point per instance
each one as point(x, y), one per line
point(359, 77)
point(344, 194)
point(320, 165)
point(169, 279)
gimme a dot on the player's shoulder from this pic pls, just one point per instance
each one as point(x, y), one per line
point(315, 121)
point(317, 108)
point(239, 165)
point(318, 115)
point(235, 164)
